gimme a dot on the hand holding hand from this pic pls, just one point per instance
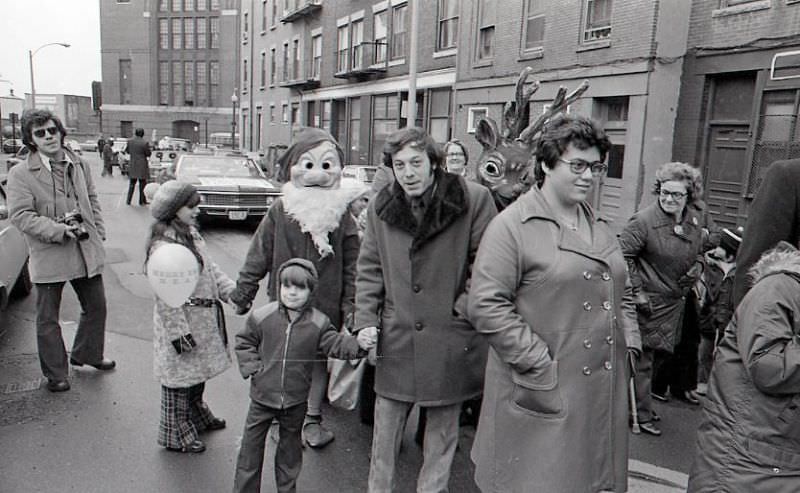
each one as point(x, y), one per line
point(241, 310)
point(367, 338)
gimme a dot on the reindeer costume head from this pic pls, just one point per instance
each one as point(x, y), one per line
point(506, 163)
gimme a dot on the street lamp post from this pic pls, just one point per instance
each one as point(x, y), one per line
point(234, 100)
point(30, 61)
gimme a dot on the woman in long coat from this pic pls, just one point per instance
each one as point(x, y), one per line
point(548, 291)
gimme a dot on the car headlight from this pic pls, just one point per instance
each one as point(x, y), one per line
point(202, 198)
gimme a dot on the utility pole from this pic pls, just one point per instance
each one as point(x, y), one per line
point(411, 119)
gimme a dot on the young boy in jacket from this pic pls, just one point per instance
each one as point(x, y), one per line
point(276, 350)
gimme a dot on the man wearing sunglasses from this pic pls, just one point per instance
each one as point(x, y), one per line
point(52, 200)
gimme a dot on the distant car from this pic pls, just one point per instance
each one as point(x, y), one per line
point(74, 146)
point(231, 187)
point(89, 146)
point(363, 173)
point(174, 144)
point(10, 146)
point(15, 280)
point(21, 155)
point(122, 158)
point(160, 162)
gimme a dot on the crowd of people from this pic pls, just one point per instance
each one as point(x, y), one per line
point(538, 316)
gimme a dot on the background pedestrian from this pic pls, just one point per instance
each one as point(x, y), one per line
point(138, 168)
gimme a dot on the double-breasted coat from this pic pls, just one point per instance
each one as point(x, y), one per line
point(139, 151)
point(412, 282)
point(554, 309)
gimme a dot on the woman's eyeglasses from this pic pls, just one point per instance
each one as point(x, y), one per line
point(675, 195)
point(578, 166)
point(40, 132)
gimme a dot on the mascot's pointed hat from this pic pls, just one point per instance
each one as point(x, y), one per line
point(305, 139)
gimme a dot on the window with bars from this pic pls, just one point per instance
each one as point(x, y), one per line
point(188, 83)
point(163, 83)
point(381, 36)
point(598, 20)
point(342, 47)
point(214, 32)
point(399, 34)
point(177, 76)
point(213, 75)
point(273, 69)
point(533, 25)
point(202, 36)
point(486, 26)
point(447, 36)
point(263, 72)
point(188, 33)
point(201, 82)
point(163, 34)
point(357, 40)
point(316, 56)
point(177, 34)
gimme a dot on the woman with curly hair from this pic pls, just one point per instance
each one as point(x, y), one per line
point(662, 244)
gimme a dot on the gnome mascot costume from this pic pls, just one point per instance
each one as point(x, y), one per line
point(309, 221)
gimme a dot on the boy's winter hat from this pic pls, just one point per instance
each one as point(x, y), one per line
point(731, 239)
point(169, 198)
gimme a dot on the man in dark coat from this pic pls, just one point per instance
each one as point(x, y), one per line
point(414, 266)
point(139, 150)
point(108, 157)
point(774, 215)
point(101, 142)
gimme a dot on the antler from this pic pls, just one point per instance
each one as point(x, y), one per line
point(560, 102)
point(515, 114)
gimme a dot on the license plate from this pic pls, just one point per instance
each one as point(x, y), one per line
point(237, 215)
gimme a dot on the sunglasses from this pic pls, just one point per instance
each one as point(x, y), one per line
point(40, 132)
point(578, 166)
point(674, 195)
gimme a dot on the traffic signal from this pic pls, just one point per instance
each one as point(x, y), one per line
point(97, 95)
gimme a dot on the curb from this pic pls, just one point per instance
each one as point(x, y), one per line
point(658, 475)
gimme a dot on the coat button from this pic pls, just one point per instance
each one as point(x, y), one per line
point(607, 365)
point(416, 288)
point(609, 340)
point(587, 370)
point(418, 325)
point(776, 470)
point(587, 306)
point(587, 343)
point(606, 276)
point(587, 275)
point(606, 305)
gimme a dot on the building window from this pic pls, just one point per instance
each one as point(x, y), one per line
point(612, 113)
point(326, 115)
point(202, 38)
point(163, 5)
point(188, 33)
point(440, 115)
point(202, 86)
point(357, 37)
point(177, 34)
point(188, 83)
point(188, 5)
point(285, 113)
point(246, 25)
point(176, 5)
point(381, 33)
point(177, 76)
point(274, 13)
point(474, 115)
point(214, 32)
point(163, 34)
point(213, 75)
point(312, 119)
point(448, 25)
point(272, 66)
point(264, 15)
point(125, 82)
point(316, 56)
point(355, 132)
point(399, 31)
point(215, 5)
point(202, 5)
point(296, 114)
point(244, 75)
point(598, 20)
point(732, 3)
point(259, 127)
point(385, 117)
point(163, 83)
point(285, 72)
point(296, 62)
point(486, 23)
point(533, 25)
point(343, 46)
point(272, 113)
point(263, 72)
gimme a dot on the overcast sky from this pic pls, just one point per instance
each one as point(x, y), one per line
point(28, 24)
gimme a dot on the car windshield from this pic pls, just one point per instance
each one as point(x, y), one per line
point(224, 166)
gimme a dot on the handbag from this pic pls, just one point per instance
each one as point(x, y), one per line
point(344, 382)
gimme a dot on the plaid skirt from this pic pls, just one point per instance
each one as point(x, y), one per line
point(183, 415)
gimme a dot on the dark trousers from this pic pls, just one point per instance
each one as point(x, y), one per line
point(288, 457)
point(132, 185)
point(647, 365)
point(107, 168)
point(90, 338)
point(679, 372)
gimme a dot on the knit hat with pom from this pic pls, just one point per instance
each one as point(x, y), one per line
point(170, 197)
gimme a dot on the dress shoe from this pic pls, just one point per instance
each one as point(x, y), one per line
point(655, 416)
point(314, 434)
point(650, 428)
point(702, 389)
point(215, 424)
point(195, 447)
point(691, 397)
point(660, 397)
point(104, 365)
point(57, 385)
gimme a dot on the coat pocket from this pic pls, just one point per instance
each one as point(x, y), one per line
point(536, 392)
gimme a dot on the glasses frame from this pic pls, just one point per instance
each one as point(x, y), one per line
point(675, 195)
point(578, 166)
point(40, 132)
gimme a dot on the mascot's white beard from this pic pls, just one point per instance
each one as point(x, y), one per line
point(318, 211)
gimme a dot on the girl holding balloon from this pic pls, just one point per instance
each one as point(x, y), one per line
point(190, 341)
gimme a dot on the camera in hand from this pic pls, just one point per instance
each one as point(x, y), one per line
point(74, 218)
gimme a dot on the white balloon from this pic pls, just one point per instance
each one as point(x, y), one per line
point(173, 272)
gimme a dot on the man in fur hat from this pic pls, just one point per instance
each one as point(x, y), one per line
point(309, 221)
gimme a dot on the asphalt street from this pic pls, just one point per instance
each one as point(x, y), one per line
point(101, 435)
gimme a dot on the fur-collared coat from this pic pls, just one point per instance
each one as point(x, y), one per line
point(412, 283)
point(210, 357)
point(749, 439)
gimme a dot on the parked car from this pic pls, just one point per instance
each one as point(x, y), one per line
point(160, 162)
point(21, 155)
point(174, 144)
point(231, 187)
point(10, 146)
point(89, 145)
point(15, 280)
point(121, 158)
point(363, 173)
point(74, 146)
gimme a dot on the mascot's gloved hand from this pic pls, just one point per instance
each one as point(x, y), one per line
point(241, 310)
point(241, 301)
